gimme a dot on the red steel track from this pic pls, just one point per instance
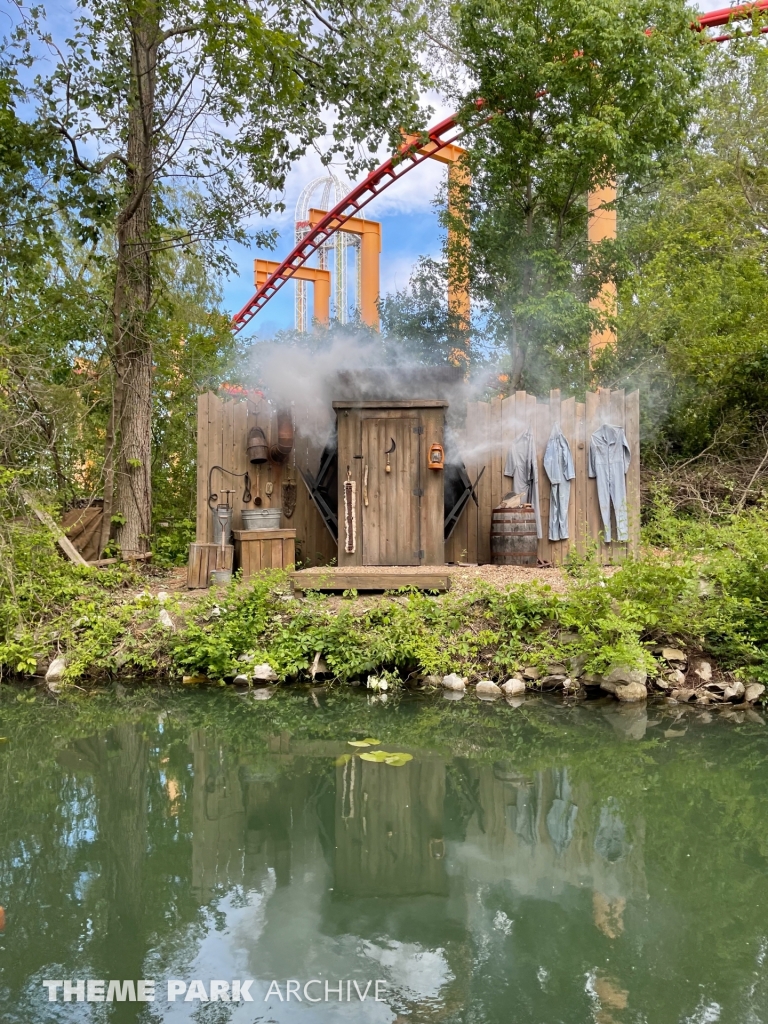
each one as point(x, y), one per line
point(408, 156)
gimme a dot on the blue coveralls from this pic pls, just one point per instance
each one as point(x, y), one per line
point(558, 465)
point(522, 465)
point(608, 464)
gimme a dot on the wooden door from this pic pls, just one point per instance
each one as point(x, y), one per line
point(390, 519)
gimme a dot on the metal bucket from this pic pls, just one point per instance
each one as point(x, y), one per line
point(222, 520)
point(221, 577)
point(513, 536)
point(258, 451)
point(261, 518)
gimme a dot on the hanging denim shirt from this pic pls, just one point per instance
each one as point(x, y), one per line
point(608, 463)
point(558, 465)
point(521, 464)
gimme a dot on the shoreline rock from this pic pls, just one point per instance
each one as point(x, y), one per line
point(454, 682)
point(486, 689)
point(513, 687)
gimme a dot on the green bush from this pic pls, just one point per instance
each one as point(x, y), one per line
point(705, 590)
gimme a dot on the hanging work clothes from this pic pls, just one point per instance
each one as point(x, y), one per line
point(558, 465)
point(522, 466)
point(608, 464)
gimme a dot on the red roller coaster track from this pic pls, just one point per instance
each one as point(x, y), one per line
point(408, 156)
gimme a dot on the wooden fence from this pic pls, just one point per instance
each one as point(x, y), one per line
point(222, 434)
point(490, 430)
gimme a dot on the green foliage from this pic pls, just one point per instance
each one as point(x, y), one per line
point(575, 94)
point(171, 543)
point(706, 591)
point(693, 291)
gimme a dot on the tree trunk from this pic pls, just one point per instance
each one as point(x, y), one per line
point(109, 468)
point(132, 343)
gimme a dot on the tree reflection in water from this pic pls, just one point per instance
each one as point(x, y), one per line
point(533, 870)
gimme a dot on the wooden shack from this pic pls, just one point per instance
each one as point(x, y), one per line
point(364, 494)
point(492, 426)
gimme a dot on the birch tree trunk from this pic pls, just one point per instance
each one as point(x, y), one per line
point(131, 338)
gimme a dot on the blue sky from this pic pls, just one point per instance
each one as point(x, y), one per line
point(407, 213)
point(409, 226)
point(408, 216)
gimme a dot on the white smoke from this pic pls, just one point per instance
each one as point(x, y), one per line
point(309, 377)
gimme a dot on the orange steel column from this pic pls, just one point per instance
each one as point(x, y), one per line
point(320, 278)
point(321, 304)
point(370, 248)
point(458, 285)
point(601, 226)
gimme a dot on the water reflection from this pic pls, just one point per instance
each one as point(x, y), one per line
point(476, 889)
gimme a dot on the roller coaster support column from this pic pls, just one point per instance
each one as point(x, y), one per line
point(370, 249)
point(320, 278)
point(601, 225)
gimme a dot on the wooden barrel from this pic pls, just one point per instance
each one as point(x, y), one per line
point(513, 536)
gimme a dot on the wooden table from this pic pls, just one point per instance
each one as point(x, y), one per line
point(264, 549)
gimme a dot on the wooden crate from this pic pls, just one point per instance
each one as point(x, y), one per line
point(203, 559)
point(264, 549)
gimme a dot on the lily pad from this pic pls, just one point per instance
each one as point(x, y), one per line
point(371, 742)
point(358, 743)
point(375, 755)
point(343, 759)
point(397, 760)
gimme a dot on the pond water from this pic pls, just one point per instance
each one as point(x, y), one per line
point(529, 865)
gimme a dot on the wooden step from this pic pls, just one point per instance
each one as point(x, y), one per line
point(347, 579)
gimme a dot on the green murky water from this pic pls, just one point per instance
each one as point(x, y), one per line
point(530, 865)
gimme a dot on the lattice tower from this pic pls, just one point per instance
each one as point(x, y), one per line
point(333, 252)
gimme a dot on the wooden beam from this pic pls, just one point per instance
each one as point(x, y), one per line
point(62, 540)
point(332, 579)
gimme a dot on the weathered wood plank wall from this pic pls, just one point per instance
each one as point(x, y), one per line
point(222, 433)
point(491, 427)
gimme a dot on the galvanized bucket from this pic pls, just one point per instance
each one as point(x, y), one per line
point(222, 520)
point(261, 518)
point(221, 577)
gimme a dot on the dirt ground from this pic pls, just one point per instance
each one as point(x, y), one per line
point(463, 578)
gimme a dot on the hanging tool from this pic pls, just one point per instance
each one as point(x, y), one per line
point(257, 499)
point(388, 452)
point(213, 496)
point(269, 488)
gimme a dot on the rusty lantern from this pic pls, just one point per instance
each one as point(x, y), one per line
point(257, 446)
point(436, 458)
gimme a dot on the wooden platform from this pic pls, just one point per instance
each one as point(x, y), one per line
point(374, 577)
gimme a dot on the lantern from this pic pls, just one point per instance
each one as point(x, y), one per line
point(436, 459)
